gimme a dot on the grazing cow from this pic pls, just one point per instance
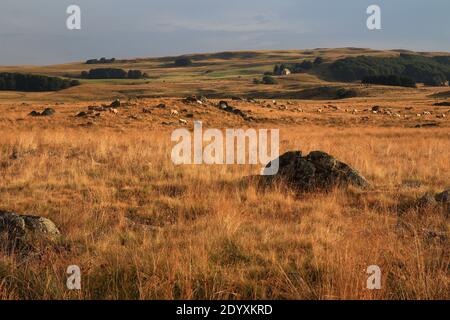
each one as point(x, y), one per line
point(182, 121)
point(174, 112)
point(113, 110)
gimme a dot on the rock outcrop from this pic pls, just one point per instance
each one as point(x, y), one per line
point(14, 226)
point(318, 170)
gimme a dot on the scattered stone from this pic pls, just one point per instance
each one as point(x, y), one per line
point(134, 117)
point(81, 114)
point(443, 197)
point(45, 113)
point(161, 106)
point(15, 226)
point(115, 104)
point(146, 110)
point(317, 170)
point(223, 105)
point(34, 113)
point(194, 99)
point(376, 108)
point(48, 112)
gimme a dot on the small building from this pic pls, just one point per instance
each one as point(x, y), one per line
point(286, 72)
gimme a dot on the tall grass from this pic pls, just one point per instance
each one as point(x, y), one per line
point(141, 228)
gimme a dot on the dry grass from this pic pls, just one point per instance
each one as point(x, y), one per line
point(141, 228)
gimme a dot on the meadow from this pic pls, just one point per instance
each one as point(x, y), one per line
point(141, 227)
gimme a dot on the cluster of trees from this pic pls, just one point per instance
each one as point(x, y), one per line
point(433, 71)
point(303, 66)
point(113, 73)
point(33, 83)
point(183, 62)
point(391, 80)
point(100, 61)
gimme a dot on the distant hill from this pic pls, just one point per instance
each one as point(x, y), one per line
point(233, 73)
point(434, 71)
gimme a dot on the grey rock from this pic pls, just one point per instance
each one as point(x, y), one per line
point(223, 105)
point(34, 113)
point(48, 112)
point(18, 226)
point(115, 104)
point(317, 170)
point(443, 197)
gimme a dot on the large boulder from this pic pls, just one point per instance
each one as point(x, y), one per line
point(15, 226)
point(317, 170)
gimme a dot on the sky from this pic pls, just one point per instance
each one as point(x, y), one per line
point(35, 32)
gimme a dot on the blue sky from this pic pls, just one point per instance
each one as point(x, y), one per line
point(34, 32)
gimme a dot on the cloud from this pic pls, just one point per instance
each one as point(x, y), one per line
point(35, 32)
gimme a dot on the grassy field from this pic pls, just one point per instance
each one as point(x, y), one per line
point(140, 227)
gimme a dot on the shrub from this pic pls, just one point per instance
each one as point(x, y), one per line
point(183, 62)
point(269, 80)
point(306, 65)
point(135, 74)
point(318, 61)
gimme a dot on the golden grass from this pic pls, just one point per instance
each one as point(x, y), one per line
point(141, 228)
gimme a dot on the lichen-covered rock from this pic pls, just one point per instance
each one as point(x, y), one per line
point(19, 226)
point(317, 170)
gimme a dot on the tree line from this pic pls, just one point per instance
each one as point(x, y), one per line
point(101, 61)
point(113, 73)
point(404, 70)
point(33, 83)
